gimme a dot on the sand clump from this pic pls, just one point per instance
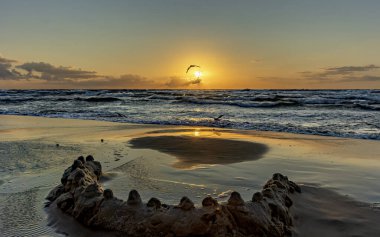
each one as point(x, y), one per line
point(82, 196)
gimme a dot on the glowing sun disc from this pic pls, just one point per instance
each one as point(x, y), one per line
point(197, 74)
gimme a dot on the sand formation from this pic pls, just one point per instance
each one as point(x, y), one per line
point(81, 195)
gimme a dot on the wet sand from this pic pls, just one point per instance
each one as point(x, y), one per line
point(323, 212)
point(192, 151)
point(339, 176)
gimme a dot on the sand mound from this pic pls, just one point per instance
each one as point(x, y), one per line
point(81, 195)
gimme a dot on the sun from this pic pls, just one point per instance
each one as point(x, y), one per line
point(197, 74)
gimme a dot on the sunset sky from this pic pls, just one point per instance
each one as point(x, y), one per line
point(280, 44)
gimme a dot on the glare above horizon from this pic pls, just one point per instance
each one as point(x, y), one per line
point(149, 44)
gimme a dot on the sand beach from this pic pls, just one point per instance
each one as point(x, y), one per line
point(338, 176)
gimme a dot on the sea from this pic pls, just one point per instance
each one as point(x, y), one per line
point(340, 113)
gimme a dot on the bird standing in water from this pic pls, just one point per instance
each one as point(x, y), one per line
point(217, 119)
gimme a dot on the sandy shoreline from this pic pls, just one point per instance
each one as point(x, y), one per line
point(31, 163)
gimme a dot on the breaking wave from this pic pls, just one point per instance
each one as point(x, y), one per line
point(345, 113)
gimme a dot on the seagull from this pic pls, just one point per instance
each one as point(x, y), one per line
point(218, 118)
point(191, 66)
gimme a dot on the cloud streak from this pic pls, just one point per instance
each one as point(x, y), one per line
point(361, 78)
point(51, 73)
point(6, 61)
point(343, 74)
point(177, 82)
point(6, 69)
point(129, 81)
point(38, 73)
point(350, 77)
point(350, 69)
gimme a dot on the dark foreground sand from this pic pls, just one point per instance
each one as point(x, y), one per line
point(339, 177)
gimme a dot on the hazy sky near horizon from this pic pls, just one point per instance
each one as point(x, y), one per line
point(278, 44)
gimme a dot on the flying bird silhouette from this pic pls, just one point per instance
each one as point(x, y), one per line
point(191, 66)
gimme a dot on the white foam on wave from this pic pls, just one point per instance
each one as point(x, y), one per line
point(343, 113)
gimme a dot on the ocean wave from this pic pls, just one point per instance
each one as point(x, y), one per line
point(238, 103)
point(99, 99)
point(268, 126)
point(348, 113)
point(312, 102)
point(375, 107)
